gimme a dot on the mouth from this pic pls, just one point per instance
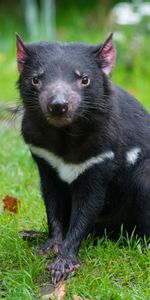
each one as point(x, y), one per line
point(59, 121)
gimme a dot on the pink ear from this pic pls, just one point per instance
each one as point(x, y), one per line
point(108, 55)
point(21, 53)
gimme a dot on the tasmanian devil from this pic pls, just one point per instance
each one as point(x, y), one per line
point(91, 142)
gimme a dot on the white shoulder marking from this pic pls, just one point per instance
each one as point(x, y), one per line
point(69, 171)
point(132, 155)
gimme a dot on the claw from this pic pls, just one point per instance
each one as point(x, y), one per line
point(50, 266)
point(62, 268)
point(49, 244)
point(56, 248)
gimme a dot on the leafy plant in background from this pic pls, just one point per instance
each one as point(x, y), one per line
point(39, 18)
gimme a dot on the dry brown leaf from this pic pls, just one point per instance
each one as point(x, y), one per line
point(11, 204)
point(46, 290)
point(31, 235)
point(59, 292)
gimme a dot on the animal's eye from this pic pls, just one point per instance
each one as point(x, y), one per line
point(35, 80)
point(85, 80)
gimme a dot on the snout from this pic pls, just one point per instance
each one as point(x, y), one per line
point(59, 103)
point(57, 106)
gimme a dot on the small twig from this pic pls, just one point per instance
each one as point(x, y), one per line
point(15, 109)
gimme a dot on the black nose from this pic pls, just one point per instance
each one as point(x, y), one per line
point(57, 106)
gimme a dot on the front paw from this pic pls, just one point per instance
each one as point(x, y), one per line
point(50, 244)
point(62, 268)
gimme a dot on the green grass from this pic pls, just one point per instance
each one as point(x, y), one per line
point(109, 271)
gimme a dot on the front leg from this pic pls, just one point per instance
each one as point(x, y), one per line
point(55, 196)
point(87, 204)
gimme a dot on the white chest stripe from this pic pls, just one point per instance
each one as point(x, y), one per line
point(69, 171)
point(132, 155)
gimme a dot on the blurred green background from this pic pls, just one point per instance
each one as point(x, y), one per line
point(88, 21)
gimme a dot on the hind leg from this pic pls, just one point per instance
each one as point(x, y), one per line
point(140, 184)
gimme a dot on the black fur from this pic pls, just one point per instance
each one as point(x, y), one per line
point(107, 118)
